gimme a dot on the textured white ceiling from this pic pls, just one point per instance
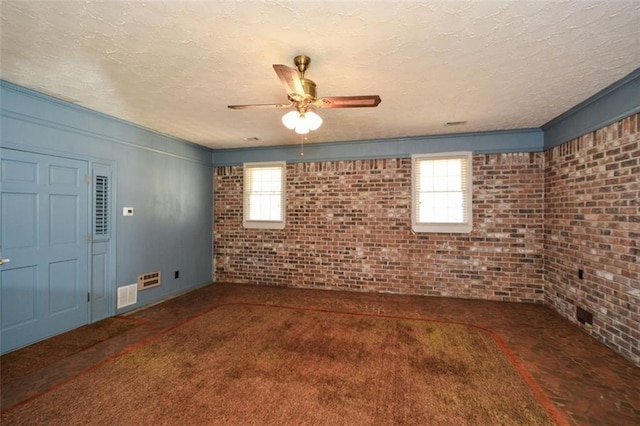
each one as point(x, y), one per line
point(175, 66)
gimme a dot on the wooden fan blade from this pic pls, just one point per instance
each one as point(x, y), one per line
point(290, 80)
point(256, 106)
point(348, 102)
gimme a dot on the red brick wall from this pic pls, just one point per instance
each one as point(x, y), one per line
point(592, 222)
point(349, 227)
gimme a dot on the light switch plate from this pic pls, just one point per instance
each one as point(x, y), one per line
point(127, 211)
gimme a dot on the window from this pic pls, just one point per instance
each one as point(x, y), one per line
point(264, 195)
point(441, 192)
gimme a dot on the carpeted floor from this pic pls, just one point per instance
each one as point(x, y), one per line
point(259, 364)
point(586, 382)
point(22, 362)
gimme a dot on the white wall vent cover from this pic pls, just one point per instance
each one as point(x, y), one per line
point(102, 207)
point(127, 295)
point(148, 280)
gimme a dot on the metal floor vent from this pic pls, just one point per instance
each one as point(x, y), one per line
point(127, 295)
point(148, 280)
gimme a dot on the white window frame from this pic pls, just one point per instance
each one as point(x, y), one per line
point(464, 226)
point(246, 191)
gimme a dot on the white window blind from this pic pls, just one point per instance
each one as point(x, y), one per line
point(441, 192)
point(264, 195)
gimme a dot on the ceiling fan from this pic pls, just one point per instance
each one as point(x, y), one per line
point(302, 95)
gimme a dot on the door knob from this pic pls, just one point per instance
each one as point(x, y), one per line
point(3, 261)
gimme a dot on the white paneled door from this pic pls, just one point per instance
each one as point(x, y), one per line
point(44, 276)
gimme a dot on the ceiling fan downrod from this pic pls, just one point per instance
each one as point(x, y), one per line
point(302, 63)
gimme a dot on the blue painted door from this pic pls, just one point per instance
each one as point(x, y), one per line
point(44, 212)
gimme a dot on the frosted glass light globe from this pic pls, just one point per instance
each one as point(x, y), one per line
point(290, 119)
point(302, 128)
point(314, 120)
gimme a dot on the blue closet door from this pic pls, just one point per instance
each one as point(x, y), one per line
point(44, 228)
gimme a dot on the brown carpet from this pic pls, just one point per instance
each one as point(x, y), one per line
point(253, 364)
point(25, 361)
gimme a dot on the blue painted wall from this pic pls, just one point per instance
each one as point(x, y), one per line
point(167, 181)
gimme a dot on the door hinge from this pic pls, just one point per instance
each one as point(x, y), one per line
point(88, 179)
point(88, 238)
point(88, 297)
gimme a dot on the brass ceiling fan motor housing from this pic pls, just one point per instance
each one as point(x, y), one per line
point(309, 89)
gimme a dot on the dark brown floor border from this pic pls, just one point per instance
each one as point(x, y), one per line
point(140, 322)
point(111, 358)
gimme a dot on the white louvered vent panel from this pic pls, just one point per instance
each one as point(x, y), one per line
point(101, 206)
point(127, 295)
point(148, 280)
